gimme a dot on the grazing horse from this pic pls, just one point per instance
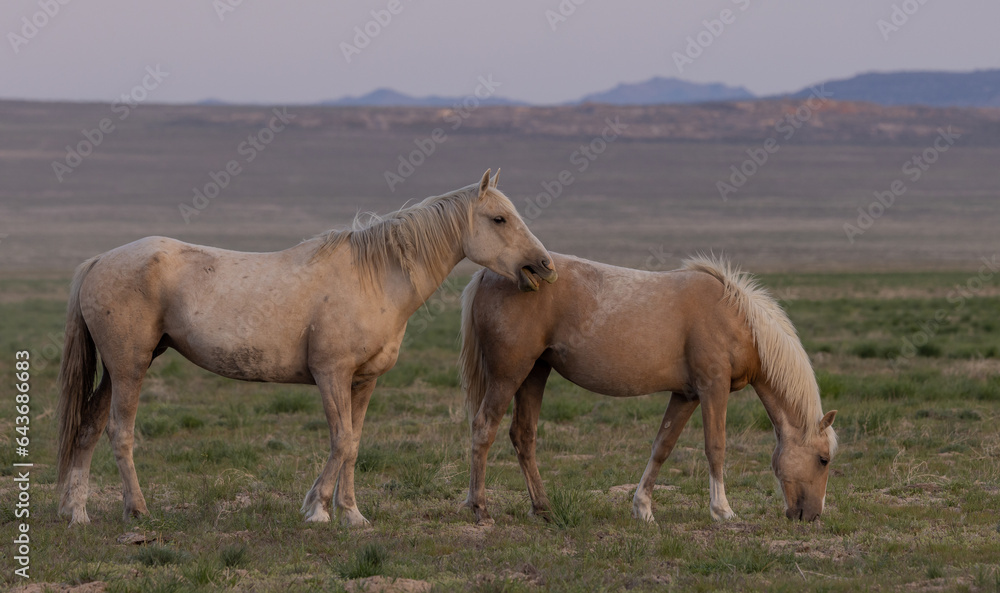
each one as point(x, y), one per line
point(700, 332)
point(329, 312)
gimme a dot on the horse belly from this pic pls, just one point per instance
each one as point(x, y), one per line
point(248, 358)
point(617, 376)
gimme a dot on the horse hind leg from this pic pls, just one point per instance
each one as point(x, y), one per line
point(484, 431)
point(126, 387)
point(523, 432)
point(93, 421)
point(677, 414)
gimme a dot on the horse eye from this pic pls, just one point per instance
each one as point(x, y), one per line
point(499, 219)
point(823, 461)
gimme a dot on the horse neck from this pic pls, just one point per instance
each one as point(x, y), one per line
point(784, 420)
point(425, 278)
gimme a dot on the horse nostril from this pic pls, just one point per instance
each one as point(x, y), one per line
point(546, 264)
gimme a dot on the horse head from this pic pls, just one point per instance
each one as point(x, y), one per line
point(499, 239)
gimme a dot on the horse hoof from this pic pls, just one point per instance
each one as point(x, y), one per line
point(134, 513)
point(354, 518)
point(318, 515)
point(723, 515)
point(485, 522)
point(79, 518)
point(646, 516)
point(543, 514)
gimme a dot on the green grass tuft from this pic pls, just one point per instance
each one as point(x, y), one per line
point(291, 403)
point(234, 556)
point(157, 555)
point(367, 562)
point(156, 426)
point(570, 508)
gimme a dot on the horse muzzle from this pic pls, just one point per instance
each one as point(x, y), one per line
point(530, 277)
point(802, 513)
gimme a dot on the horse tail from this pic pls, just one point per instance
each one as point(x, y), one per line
point(76, 373)
point(472, 364)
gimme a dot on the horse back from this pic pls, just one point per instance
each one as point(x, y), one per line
point(614, 330)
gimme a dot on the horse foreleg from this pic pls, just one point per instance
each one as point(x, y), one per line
point(713, 413)
point(344, 494)
point(523, 430)
point(484, 432)
point(336, 395)
point(93, 421)
point(678, 412)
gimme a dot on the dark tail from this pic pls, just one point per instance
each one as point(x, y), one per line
point(76, 374)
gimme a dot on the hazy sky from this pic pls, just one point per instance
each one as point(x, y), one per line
point(292, 51)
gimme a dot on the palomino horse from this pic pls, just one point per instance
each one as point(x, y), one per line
point(699, 332)
point(330, 311)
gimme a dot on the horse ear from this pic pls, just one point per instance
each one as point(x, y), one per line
point(484, 184)
point(496, 178)
point(827, 420)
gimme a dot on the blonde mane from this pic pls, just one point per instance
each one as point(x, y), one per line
point(425, 232)
point(783, 360)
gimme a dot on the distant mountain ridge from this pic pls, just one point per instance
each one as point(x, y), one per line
point(391, 98)
point(980, 88)
point(659, 91)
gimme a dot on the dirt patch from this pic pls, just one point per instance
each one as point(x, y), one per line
point(923, 493)
point(527, 574)
point(980, 368)
point(469, 536)
point(380, 584)
point(931, 585)
point(133, 538)
point(706, 536)
point(629, 489)
point(820, 549)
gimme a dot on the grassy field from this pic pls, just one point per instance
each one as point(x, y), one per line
point(912, 501)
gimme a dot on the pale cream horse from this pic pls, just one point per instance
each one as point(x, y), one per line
point(700, 332)
point(330, 311)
